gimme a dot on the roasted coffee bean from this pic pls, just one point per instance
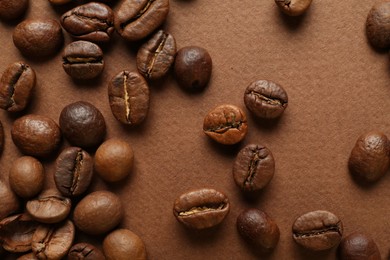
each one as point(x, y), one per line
point(16, 86)
point(91, 22)
point(114, 160)
point(27, 176)
point(377, 25)
point(256, 227)
point(293, 7)
point(317, 230)
point(49, 207)
point(193, 66)
point(83, 60)
point(203, 208)
point(98, 212)
point(358, 246)
point(85, 251)
point(136, 19)
point(36, 135)
point(122, 244)
point(9, 203)
point(226, 124)
point(265, 99)
point(83, 124)
point(156, 56)
point(74, 169)
point(254, 167)
point(12, 9)
point(38, 37)
point(128, 94)
point(369, 159)
point(53, 241)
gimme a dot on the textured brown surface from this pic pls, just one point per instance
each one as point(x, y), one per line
point(338, 88)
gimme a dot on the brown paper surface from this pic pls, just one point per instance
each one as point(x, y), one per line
point(338, 88)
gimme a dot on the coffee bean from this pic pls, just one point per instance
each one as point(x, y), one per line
point(98, 212)
point(50, 207)
point(16, 86)
point(36, 135)
point(369, 159)
point(193, 66)
point(38, 37)
point(12, 9)
point(74, 170)
point(377, 25)
point(258, 229)
point(90, 22)
point(85, 251)
point(293, 7)
point(265, 99)
point(26, 177)
point(136, 19)
point(9, 203)
point(358, 246)
point(128, 94)
point(317, 230)
point(83, 124)
point(122, 244)
point(156, 56)
point(225, 124)
point(203, 208)
point(83, 60)
point(254, 167)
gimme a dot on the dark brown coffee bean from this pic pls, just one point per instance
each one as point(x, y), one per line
point(253, 168)
point(9, 203)
point(128, 94)
point(12, 9)
point(90, 22)
point(293, 7)
point(122, 244)
point(27, 176)
point(317, 230)
point(265, 99)
point(378, 26)
point(38, 37)
point(203, 208)
point(53, 241)
point(85, 251)
point(256, 227)
point(83, 124)
point(98, 212)
point(50, 207)
point(156, 56)
point(226, 124)
point(193, 66)
point(36, 135)
point(358, 246)
point(369, 159)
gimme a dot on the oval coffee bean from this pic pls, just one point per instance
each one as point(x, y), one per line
point(265, 99)
point(85, 251)
point(12, 9)
point(74, 170)
point(203, 208)
point(317, 230)
point(358, 246)
point(254, 167)
point(293, 7)
point(122, 244)
point(128, 94)
point(377, 25)
point(9, 203)
point(226, 124)
point(16, 86)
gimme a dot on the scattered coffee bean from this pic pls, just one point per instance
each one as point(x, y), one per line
point(9, 203)
point(226, 124)
point(265, 99)
point(377, 25)
point(128, 94)
point(122, 244)
point(358, 246)
point(317, 230)
point(85, 251)
point(193, 66)
point(12, 9)
point(293, 7)
point(203, 208)
point(254, 167)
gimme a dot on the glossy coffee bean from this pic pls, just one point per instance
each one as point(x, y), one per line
point(358, 246)
point(122, 244)
point(378, 26)
point(9, 203)
point(85, 251)
point(293, 7)
point(12, 9)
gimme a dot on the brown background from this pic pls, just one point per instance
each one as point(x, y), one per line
point(338, 89)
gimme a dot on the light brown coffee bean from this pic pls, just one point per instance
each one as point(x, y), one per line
point(293, 7)
point(122, 244)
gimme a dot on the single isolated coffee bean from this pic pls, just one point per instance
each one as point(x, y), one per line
point(317, 230)
point(128, 94)
point(136, 19)
point(90, 22)
point(358, 246)
point(85, 251)
point(16, 86)
point(9, 203)
point(369, 159)
point(265, 99)
point(378, 26)
point(293, 7)
point(193, 66)
point(12, 9)
point(226, 124)
point(258, 229)
point(156, 56)
point(122, 244)
point(200, 209)
point(254, 167)
point(38, 37)
point(36, 135)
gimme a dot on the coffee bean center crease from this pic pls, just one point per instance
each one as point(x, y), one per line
point(333, 229)
point(81, 60)
point(269, 100)
point(254, 162)
point(201, 209)
point(103, 24)
point(156, 53)
point(14, 80)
